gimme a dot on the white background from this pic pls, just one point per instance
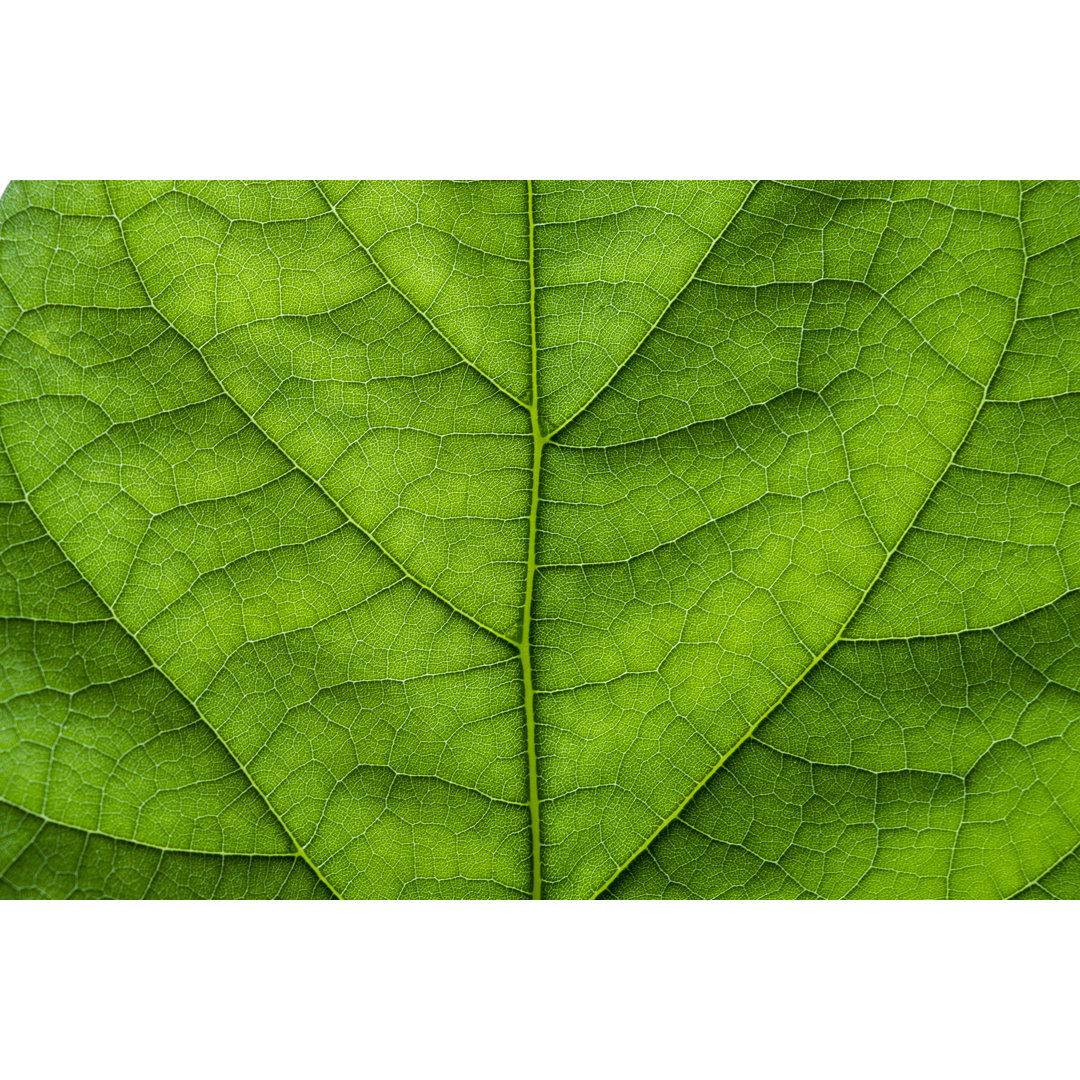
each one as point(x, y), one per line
point(554, 88)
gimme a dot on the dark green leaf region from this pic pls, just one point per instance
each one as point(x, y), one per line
point(540, 540)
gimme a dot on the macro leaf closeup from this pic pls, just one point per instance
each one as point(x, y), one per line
point(540, 540)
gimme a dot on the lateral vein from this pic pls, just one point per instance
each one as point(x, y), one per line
point(299, 468)
point(673, 816)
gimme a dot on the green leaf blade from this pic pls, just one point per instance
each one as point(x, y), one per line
point(506, 539)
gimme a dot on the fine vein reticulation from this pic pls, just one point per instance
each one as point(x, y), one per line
point(540, 540)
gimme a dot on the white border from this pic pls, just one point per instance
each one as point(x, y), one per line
point(518, 990)
point(584, 87)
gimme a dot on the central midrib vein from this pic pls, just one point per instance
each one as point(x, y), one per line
point(539, 440)
point(528, 693)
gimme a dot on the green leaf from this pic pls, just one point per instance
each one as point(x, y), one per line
point(540, 539)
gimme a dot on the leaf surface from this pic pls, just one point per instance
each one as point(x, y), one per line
point(540, 540)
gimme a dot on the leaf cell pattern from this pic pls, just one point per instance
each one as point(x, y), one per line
point(536, 539)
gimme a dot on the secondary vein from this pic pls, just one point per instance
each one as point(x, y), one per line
point(315, 483)
point(412, 303)
point(674, 815)
point(301, 851)
point(656, 322)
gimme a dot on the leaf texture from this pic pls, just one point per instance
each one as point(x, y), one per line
point(535, 539)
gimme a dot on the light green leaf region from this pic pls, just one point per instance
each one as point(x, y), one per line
point(540, 540)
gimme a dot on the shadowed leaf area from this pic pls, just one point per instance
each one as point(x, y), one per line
point(537, 539)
